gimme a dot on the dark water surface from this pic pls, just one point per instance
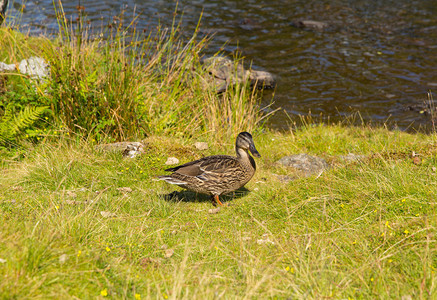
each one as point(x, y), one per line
point(375, 57)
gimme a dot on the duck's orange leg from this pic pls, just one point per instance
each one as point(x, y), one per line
point(216, 198)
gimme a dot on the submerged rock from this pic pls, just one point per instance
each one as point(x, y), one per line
point(310, 24)
point(223, 72)
point(307, 164)
point(249, 24)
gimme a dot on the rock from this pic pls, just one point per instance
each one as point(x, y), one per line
point(128, 149)
point(3, 6)
point(284, 178)
point(108, 214)
point(133, 149)
point(168, 253)
point(214, 210)
point(201, 145)
point(71, 194)
point(249, 24)
point(6, 67)
point(35, 66)
point(63, 258)
point(2, 260)
point(124, 189)
point(305, 163)
point(223, 72)
point(350, 157)
point(262, 79)
point(172, 161)
point(265, 240)
point(310, 24)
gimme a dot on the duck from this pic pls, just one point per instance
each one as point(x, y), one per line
point(217, 174)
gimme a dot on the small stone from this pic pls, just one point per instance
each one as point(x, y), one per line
point(265, 241)
point(63, 258)
point(351, 157)
point(417, 160)
point(71, 194)
point(2, 261)
point(201, 145)
point(124, 189)
point(168, 253)
point(73, 202)
point(172, 161)
point(214, 210)
point(107, 214)
point(284, 178)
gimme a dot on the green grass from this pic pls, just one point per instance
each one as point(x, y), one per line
point(361, 230)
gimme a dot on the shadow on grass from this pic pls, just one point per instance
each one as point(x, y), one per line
point(188, 196)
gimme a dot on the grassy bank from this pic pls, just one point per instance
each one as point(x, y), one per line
point(76, 222)
point(360, 230)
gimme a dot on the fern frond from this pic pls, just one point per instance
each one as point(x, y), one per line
point(11, 126)
point(26, 118)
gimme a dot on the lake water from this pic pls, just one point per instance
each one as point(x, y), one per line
point(375, 57)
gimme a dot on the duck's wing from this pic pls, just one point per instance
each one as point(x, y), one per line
point(216, 164)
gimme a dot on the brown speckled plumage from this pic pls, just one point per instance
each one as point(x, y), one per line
point(218, 174)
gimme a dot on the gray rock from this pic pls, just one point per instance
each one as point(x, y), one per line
point(350, 157)
point(172, 161)
point(310, 24)
point(262, 79)
point(34, 66)
point(305, 163)
point(285, 178)
point(6, 67)
point(133, 149)
point(128, 149)
point(223, 72)
point(201, 145)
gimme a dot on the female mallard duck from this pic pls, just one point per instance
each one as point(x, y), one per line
point(218, 174)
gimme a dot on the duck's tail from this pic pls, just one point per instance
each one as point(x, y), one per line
point(170, 180)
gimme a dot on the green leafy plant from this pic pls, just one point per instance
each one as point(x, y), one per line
point(13, 126)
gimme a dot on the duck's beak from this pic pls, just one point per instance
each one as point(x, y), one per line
point(253, 150)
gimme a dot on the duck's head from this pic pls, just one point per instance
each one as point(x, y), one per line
point(245, 142)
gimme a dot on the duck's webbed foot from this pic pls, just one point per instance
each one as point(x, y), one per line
point(216, 201)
